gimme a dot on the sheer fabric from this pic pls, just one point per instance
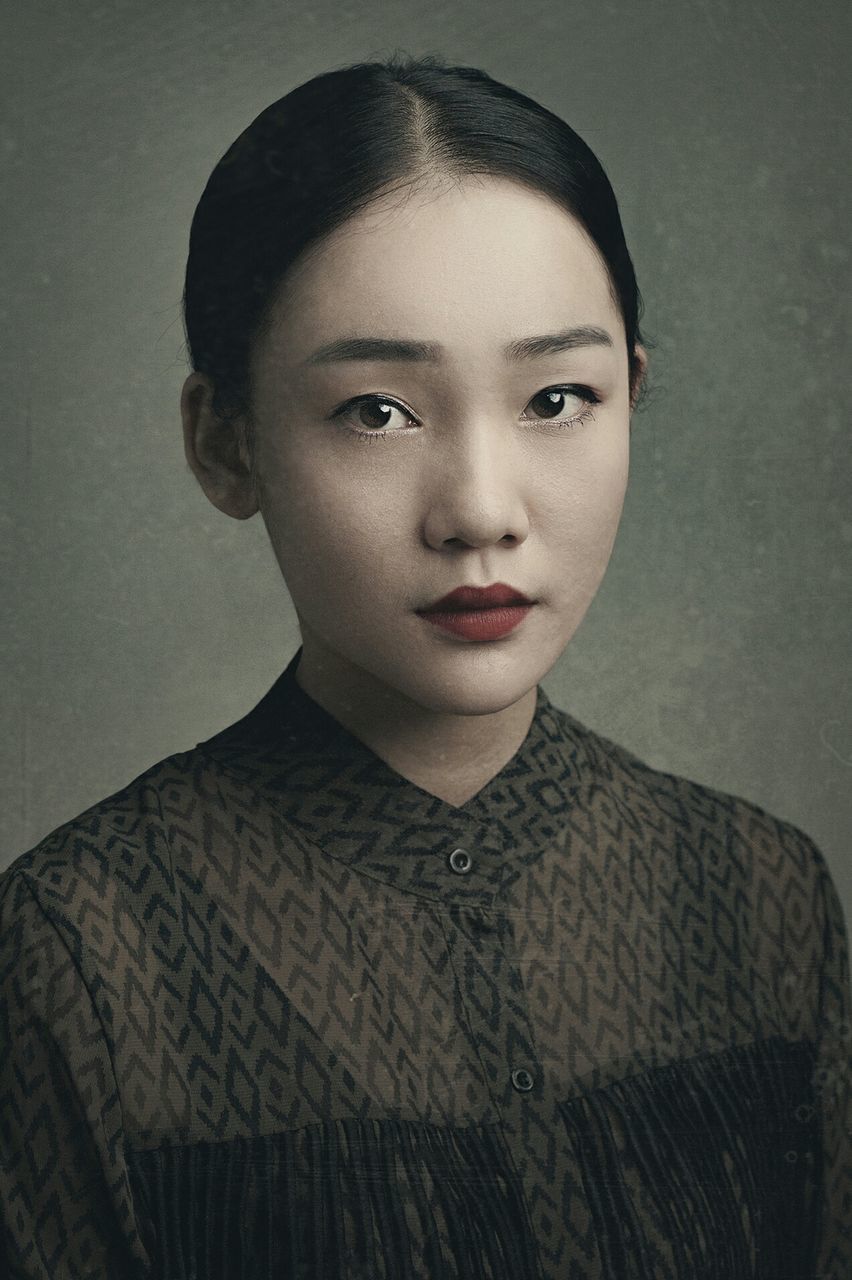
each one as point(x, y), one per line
point(273, 1010)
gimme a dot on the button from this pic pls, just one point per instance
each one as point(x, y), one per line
point(522, 1080)
point(460, 861)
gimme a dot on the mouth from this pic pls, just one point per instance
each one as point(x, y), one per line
point(479, 613)
point(467, 599)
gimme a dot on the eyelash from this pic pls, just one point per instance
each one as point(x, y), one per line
point(585, 393)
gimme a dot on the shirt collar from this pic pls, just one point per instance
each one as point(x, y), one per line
point(337, 792)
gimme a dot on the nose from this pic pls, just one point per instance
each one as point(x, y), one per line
point(474, 490)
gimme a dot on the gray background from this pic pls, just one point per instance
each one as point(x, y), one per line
point(141, 620)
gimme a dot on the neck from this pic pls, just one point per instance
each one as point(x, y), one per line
point(449, 755)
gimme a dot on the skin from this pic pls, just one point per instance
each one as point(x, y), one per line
point(473, 484)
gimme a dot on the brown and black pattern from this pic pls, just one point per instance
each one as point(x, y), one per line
point(258, 1018)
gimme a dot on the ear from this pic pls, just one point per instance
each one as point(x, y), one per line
point(215, 450)
point(642, 358)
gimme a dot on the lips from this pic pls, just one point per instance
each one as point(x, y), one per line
point(466, 598)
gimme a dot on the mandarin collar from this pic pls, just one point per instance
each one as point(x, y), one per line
point(336, 791)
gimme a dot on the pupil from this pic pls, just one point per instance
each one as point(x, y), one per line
point(374, 407)
point(552, 397)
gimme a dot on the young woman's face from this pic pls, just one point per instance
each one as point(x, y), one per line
point(386, 482)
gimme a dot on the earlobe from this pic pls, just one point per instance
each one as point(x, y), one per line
point(212, 449)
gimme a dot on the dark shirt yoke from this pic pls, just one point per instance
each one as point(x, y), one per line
point(273, 1010)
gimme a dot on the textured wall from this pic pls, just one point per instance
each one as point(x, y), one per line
point(141, 620)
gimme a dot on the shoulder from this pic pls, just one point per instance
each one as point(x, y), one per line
point(718, 859)
point(116, 839)
point(702, 822)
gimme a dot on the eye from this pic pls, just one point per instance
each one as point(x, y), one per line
point(552, 404)
point(372, 412)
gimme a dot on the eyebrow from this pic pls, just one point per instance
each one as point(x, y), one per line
point(409, 349)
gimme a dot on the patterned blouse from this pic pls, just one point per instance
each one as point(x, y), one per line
point(272, 1010)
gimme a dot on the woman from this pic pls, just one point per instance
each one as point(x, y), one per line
point(409, 973)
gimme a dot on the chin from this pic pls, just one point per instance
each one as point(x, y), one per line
point(468, 680)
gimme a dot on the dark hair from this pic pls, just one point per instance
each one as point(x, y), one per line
point(335, 144)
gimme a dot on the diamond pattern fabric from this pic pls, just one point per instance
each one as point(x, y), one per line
point(273, 1010)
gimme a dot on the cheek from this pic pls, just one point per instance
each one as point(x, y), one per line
point(583, 515)
point(586, 495)
point(332, 538)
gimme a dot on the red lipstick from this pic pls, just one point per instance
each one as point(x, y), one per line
point(479, 613)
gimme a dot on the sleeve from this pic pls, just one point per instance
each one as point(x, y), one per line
point(833, 1081)
point(66, 1210)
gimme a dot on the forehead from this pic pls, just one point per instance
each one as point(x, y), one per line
point(485, 256)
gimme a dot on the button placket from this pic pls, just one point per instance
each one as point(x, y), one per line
point(479, 922)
